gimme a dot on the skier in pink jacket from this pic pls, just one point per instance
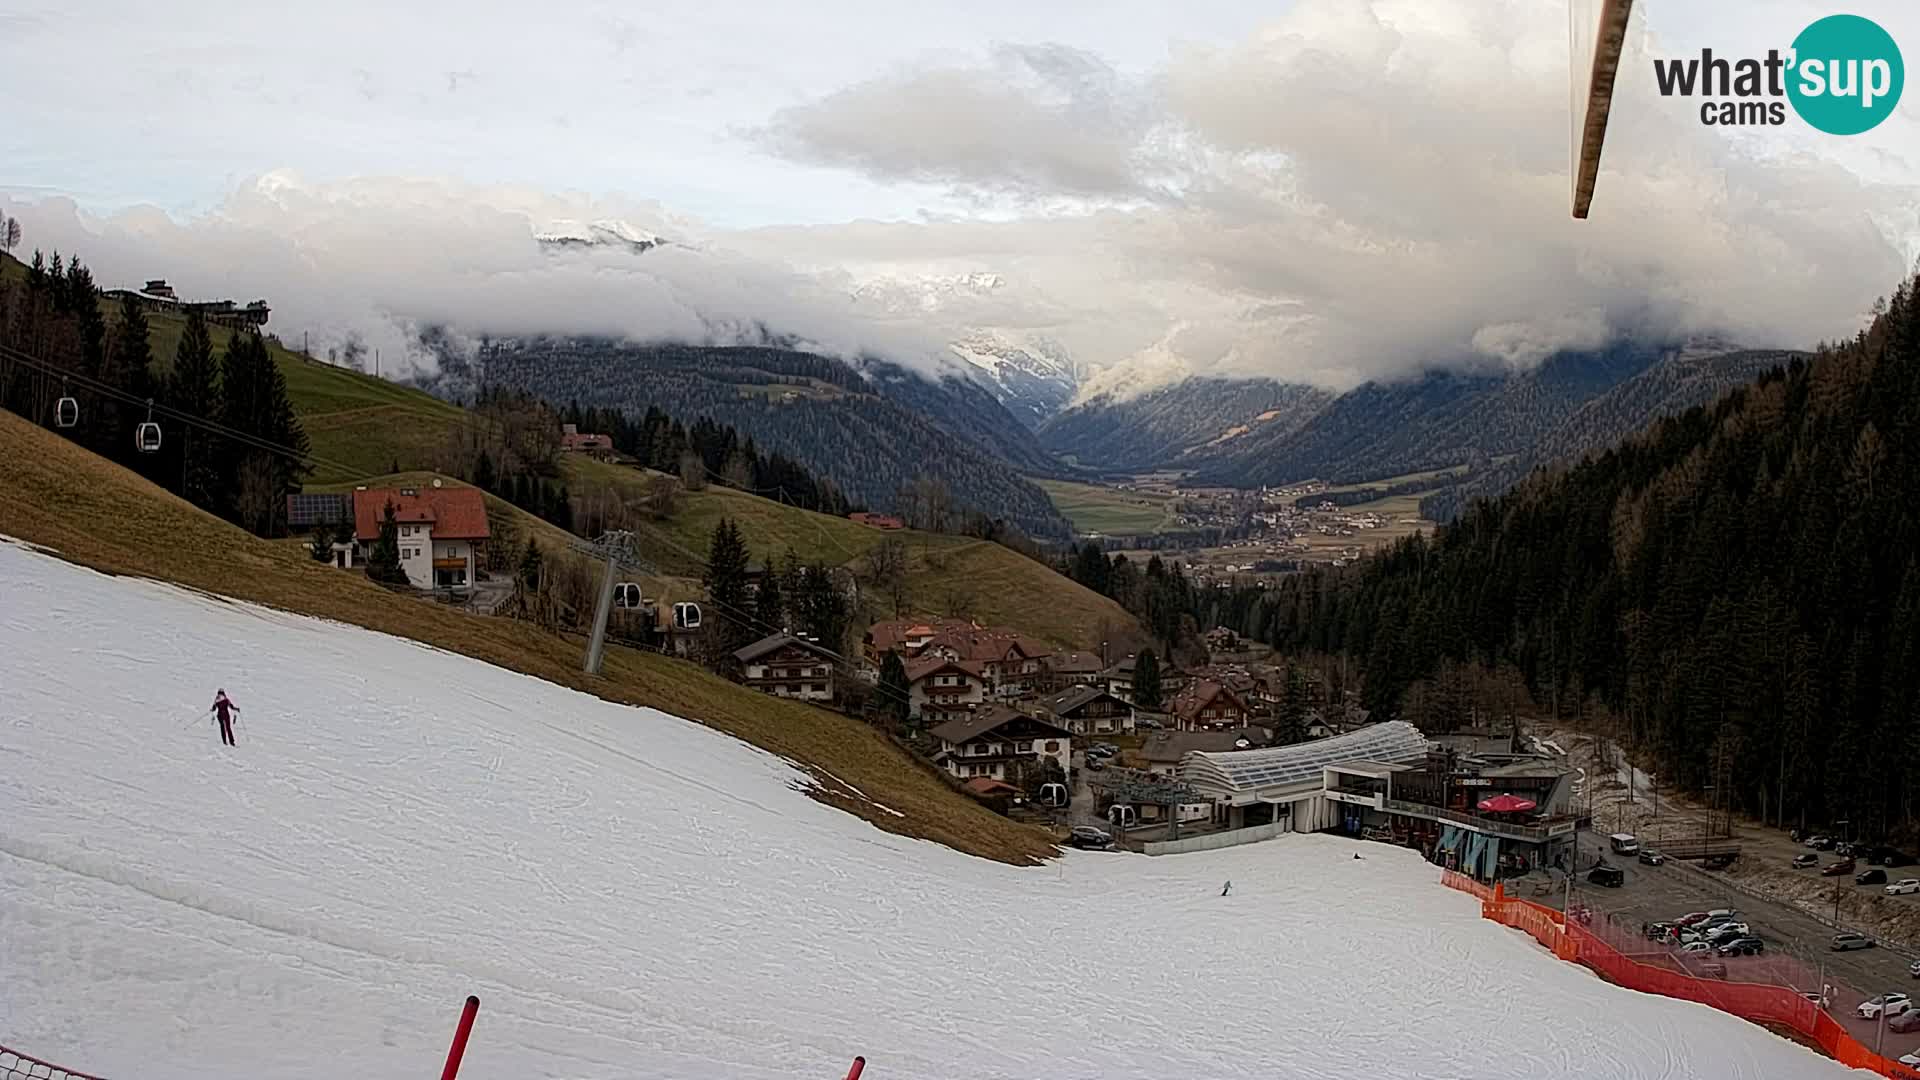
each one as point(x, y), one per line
point(224, 708)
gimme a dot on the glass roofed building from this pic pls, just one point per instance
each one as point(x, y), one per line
point(1255, 787)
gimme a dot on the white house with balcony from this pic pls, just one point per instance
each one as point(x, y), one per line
point(440, 531)
point(995, 741)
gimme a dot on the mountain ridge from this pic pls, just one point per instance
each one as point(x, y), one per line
point(873, 431)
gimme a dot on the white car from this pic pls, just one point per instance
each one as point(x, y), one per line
point(1911, 1061)
point(1904, 885)
point(1893, 1004)
point(1696, 947)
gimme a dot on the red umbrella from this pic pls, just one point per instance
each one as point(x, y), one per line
point(1506, 804)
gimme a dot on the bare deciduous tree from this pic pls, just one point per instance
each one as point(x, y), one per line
point(256, 493)
point(693, 472)
point(663, 496)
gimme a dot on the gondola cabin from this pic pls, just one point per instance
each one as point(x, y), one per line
point(66, 413)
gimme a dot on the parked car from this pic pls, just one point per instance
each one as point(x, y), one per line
point(1802, 862)
point(1871, 876)
point(1611, 877)
point(1839, 869)
point(1696, 947)
point(1896, 858)
point(1891, 1004)
point(1913, 969)
point(1905, 1022)
point(1904, 885)
point(1822, 843)
point(1743, 946)
point(1727, 932)
point(1660, 931)
point(1089, 838)
point(1849, 941)
point(1821, 1000)
point(1691, 917)
point(1104, 749)
point(1095, 764)
point(1843, 848)
point(1652, 857)
point(1911, 1061)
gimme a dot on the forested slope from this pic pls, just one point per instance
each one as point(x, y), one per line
point(1691, 377)
point(1739, 585)
point(874, 438)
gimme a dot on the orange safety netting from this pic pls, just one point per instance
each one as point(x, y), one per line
point(1759, 1002)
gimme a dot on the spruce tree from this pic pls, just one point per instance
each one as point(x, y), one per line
point(483, 472)
point(528, 573)
point(726, 582)
point(321, 546)
point(383, 562)
point(126, 365)
point(1291, 720)
point(770, 603)
point(1146, 681)
point(194, 390)
point(895, 693)
point(822, 607)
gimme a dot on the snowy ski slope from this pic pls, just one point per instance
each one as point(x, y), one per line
point(635, 896)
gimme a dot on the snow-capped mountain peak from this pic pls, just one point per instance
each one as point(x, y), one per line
point(606, 232)
point(1033, 376)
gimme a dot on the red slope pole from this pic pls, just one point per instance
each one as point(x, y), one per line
point(460, 1034)
point(859, 1066)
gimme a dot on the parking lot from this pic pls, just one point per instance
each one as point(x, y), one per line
point(1797, 945)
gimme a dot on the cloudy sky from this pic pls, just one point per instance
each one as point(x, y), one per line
point(1325, 190)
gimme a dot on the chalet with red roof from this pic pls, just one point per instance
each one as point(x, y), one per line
point(1009, 663)
point(877, 521)
point(999, 743)
point(939, 689)
point(572, 441)
point(441, 531)
point(1206, 705)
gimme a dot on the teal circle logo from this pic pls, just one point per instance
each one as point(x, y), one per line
point(1847, 75)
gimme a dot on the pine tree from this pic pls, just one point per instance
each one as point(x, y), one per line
point(726, 582)
point(483, 477)
point(1291, 720)
point(823, 608)
point(1146, 681)
point(895, 699)
point(530, 566)
point(321, 546)
point(383, 562)
point(193, 389)
point(770, 603)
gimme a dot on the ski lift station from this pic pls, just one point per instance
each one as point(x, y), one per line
point(1288, 784)
point(1388, 782)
